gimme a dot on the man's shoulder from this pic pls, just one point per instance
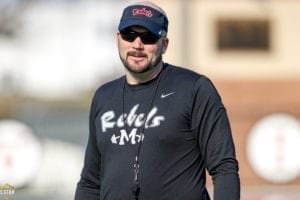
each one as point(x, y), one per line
point(109, 87)
point(112, 83)
point(184, 74)
point(189, 80)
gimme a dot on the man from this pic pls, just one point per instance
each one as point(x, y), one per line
point(154, 131)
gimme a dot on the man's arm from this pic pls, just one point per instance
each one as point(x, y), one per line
point(88, 187)
point(221, 160)
point(216, 142)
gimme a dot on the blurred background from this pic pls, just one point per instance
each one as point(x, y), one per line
point(55, 53)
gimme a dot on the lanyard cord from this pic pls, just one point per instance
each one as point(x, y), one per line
point(136, 165)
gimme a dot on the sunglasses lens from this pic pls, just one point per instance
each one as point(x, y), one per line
point(128, 35)
point(146, 37)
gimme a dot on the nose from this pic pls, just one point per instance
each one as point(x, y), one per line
point(137, 43)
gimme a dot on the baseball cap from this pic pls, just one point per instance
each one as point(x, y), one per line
point(145, 14)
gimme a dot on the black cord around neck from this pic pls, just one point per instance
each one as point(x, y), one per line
point(136, 166)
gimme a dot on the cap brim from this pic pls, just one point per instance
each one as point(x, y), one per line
point(155, 29)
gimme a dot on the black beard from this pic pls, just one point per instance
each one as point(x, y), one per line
point(145, 69)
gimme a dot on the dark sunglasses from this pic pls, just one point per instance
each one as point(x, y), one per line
point(146, 37)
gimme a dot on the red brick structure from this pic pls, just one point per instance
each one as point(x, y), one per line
point(249, 101)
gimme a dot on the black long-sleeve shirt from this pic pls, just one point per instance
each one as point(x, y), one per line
point(187, 131)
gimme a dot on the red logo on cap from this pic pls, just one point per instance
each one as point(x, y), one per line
point(142, 11)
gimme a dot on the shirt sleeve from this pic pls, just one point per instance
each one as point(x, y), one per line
point(215, 140)
point(88, 187)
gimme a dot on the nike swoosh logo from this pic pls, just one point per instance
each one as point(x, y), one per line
point(166, 95)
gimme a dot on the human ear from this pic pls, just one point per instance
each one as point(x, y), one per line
point(165, 44)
